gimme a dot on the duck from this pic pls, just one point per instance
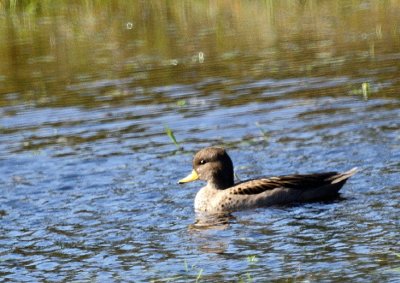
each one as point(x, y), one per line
point(221, 195)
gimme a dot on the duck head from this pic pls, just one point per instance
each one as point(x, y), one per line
point(213, 165)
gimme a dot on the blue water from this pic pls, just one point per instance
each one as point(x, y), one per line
point(92, 194)
point(88, 174)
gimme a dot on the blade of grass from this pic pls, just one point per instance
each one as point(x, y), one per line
point(171, 135)
point(199, 275)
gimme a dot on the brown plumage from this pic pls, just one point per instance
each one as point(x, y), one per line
point(214, 166)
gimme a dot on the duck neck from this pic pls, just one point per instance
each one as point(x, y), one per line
point(221, 183)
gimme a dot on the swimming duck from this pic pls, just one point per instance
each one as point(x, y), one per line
point(220, 195)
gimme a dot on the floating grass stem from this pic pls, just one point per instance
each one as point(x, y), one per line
point(199, 275)
point(181, 102)
point(186, 265)
point(171, 135)
point(263, 132)
point(252, 258)
point(365, 90)
point(249, 279)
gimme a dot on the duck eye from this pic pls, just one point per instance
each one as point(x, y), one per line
point(202, 161)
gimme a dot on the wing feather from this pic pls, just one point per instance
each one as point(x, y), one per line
point(297, 182)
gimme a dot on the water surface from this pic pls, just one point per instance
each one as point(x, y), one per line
point(88, 174)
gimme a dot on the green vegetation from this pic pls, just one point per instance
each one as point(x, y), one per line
point(365, 90)
point(199, 275)
point(245, 279)
point(171, 135)
point(263, 132)
point(252, 258)
point(193, 273)
point(181, 102)
point(398, 268)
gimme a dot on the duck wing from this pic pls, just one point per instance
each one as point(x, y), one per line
point(302, 182)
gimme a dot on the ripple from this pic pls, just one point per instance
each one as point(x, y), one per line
point(88, 174)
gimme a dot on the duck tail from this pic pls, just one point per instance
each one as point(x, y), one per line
point(343, 176)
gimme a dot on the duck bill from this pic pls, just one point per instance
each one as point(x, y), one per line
point(189, 178)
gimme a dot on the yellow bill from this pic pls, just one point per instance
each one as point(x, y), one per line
point(189, 178)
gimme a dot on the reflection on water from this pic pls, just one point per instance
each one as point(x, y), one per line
point(212, 221)
point(88, 173)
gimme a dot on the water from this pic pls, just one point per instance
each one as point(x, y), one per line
point(88, 174)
